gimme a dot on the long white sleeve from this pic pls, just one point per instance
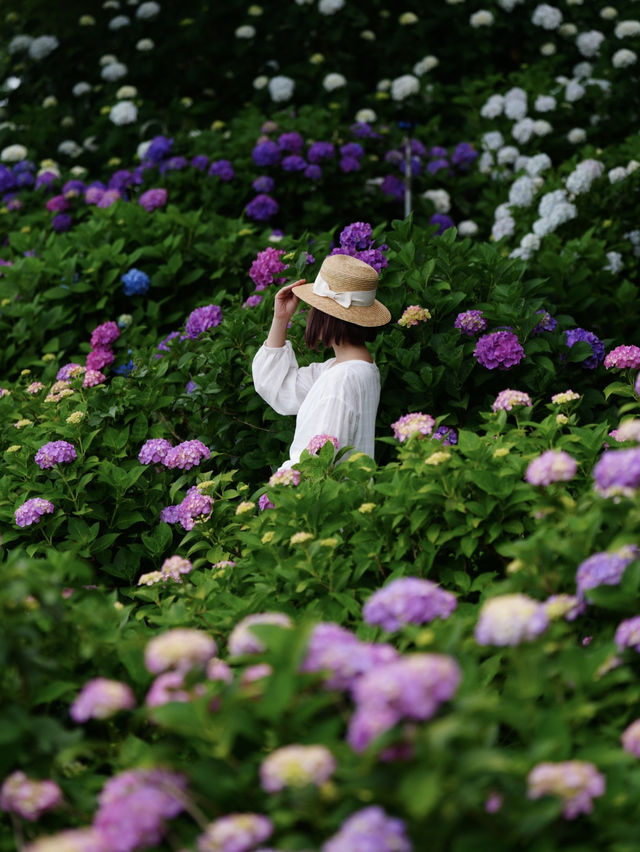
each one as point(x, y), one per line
point(280, 381)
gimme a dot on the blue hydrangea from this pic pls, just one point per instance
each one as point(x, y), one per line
point(136, 282)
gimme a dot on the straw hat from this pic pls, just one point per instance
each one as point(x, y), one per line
point(345, 288)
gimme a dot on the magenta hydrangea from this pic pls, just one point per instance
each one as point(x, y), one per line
point(575, 782)
point(551, 466)
point(99, 357)
point(104, 335)
point(27, 797)
point(53, 453)
point(32, 510)
point(202, 319)
point(408, 600)
point(499, 350)
point(508, 399)
point(318, 441)
point(101, 698)
point(415, 423)
point(470, 323)
point(93, 378)
point(186, 455)
point(266, 268)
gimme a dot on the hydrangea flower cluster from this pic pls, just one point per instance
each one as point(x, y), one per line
point(551, 466)
point(415, 423)
point(32, 510)
point(499, 350)
point(628, 634)
point(27, 797)
point(547, 322)
point(564, 397)
point(617, 472)
point(470, 322)
point(186, 455)
point(154, 451)
point(604, 569)
point(296, 766)
point(631, 738)
point(576, 335)
point(195, 506)
point(622, 357)
point(318, 441)
point(101, 355)
point(180, 649)
point(152, 199)
point(135, 282)
point(510, 620)
point(235, 833)
point(172, 569)
point(285, 476)
point(371, 829)
point(101, 698)
point(266, 268)
point(628, 430)
point(413, 315)
point(53, 453)
point(202, 319)
point(507, 399)
point(243, 640)
point(446, 434)
point(262, 207)
point(411, 687)
point(408, 600)
point(576, 782)
point(356, 240)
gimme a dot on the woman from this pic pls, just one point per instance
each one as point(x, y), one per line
point(340, 396)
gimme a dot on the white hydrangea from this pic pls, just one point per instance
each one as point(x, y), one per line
point(529, 244)
point(614, 262)
point(481, 18)
point(567, 30)
point(50, 101)
point(502, 211)
point(114, 71)
point(582, 70)
point(125, 93)
point(330, 7)
point(366, 116)
point(522, 192)
point(281, 88)
point(548, 48)
point(467, 228)
point(145, 45)
point(509, 5)
point(368, 35)
point(408, 18)
point(617, 174)
point(111, 4)
point(148, 10)
point(90, 144)
point(521, 162)
point(581, 178)
point(542, 127)
point(523, 130)
point(383, 85)
point(608, 13)
point(67, 121)
point(538, 164)
point(493, 107)
point(42, 46)
point(605, 85)
point(334, 81)
point(503, 228)
point(515, 104)
point(440, 199)
point(492, 140)
point(544, 103)
point(19, 43)
point(557, 211)
point(404, 86)
point(119, 22)
point(624, 29)
point(107, 59)
point(425, 65)
point(573, 91)
point(124, 112)
point(623, 58)
point(507, 155)
point(485, 163)
point(547, 17)
point(141, 150)
point(245, 31)
point(577, 135)
point(81, 88)
point(588, 43)
point(632, 166)
point(69, 148)
point(13, 153)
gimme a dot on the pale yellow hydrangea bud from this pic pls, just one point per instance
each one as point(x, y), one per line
point(300, 537)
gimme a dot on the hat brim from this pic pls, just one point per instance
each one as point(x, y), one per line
point(369, 317)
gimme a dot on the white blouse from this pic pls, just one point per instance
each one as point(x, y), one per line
point(328, 398)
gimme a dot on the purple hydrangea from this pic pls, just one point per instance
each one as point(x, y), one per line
point(362, 130)
point(222, 169)
point(202, 319)
point(349, 164)
point(411, 687)
point(463, 155)
point(408, 600)
point(109, 197)
point(470, 322)
point(313, 172)
point(603, 569)
point(105, 334)
point(294, 163)
point(27, 797)
point(442, 221)
point(235, 833)
point(32, 510)
point(265, 503)
point(370, 829)
point(57, 204)
point(163, 345)
point(186, 455)
point(499, 350)
point(547, 322)
point(393, 186)
point(266, 153)
point(434, 166)
point(446, 434)
point(154, 451)
point(551, 466)
point(319, 151)
point(618, 472)
point(159, 149)
point(200, 162)
point(631, 738)
point(261, 208)
point(263, 183)
point(356, 236)
point(173, 164)
point(99, 357)
point(74, 188)
point(576, 335)
point(252, 301)
point(101, 698)
point(69, 371)
point(628, 634)
point(575, 782)
point(53, 453)
point(153, 198)
point(121, 180)
point(61, 222)
point(266, 267)
point(292, 142)
point(623, 357)
point(195, 506)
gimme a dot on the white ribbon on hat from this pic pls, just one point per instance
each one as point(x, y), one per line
point(360, 298)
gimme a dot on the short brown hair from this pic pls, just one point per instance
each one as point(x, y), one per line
point(322, 328)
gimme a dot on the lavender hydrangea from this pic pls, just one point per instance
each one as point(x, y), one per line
point(55, 452)
point(179, 649)
point(604, 569)
point(628, 634)
point(575, 782)
point(235, 833)
point(507, 399)
point(617, 472)
point(152, 199)
point(510, 620)
point(551, 466)
point(296, 766)
point(415, 423)
point(499, 350)
point(470, 322)
point(32, 510)
point(408, 600)
point(154, 451)
point(370, 829)
point(101, 698)
point(27, 797)
point(446, 434)
point(581, 335)
point(623, 357)
point(262, 207)
point(243, 640)
point(186, 455)
point(195, 506)
point(631, 738)
point(202, 319)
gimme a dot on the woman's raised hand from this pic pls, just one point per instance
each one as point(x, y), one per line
point(286, 301)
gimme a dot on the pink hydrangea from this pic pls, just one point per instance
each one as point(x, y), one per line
point(622, 357)
point(551, 466)
point(507, 399)
point(414, 423)
point(101, 698)
point(93, 378)
point(413, 315)
point(296, 766)
point(180, 649)
point(631, 738)
point(285, 476)
point(575, 782)
point(104, 335)
point(27, 797)
point(318, 441)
